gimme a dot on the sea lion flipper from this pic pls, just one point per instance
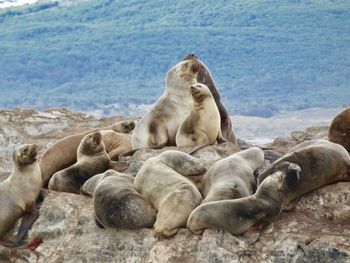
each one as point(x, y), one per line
point(220, 139)
point(29, 217)
point(290, 157)
point(183, 163)
point(197, 148)
point(118, 166)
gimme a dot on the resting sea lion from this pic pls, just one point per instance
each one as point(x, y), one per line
point(321, 163)
point(238, 215)
point(339, 131)
point(92, 159)
point(160, 124)
point(64, 152)
point(233, 176)
point(202, 126)
point(19, 192)
point(117, 204)
point(161, 180)
point(205, 77)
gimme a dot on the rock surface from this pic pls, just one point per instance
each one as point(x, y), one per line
point(317, 230)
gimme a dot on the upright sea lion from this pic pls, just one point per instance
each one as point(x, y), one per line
point(238, 215)
point(19, 192)
point(339, 131)
point(205, 77)
point(161, 180)
point(321, 163)
point(92, 159)
point(64, 152)
point(159, 126)
point(202, 126)
point(117, 204)
point(233, 176)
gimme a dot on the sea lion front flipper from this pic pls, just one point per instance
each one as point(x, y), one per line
point(29, 217)
point(118, 166)
point(183, 163)
point(197, 148)
point(290, 157)
point(220, 139)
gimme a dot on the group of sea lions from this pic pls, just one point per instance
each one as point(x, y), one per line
point(174, 189)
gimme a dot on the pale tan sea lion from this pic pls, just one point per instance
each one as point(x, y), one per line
point(233, 176)
point(238, 215)
point(204, 76)
point(118, 205)
point(64, 152)
point(92, 159)
point(162, 181)
point(160, 124)
point(321, 163)
point(19, 192)
point(339, 131)
point(202, 126)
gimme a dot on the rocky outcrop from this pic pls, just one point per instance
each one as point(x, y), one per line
point(316, 230)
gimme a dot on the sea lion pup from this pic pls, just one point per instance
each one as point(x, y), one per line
point(238, 215)
point(64, 152)
point(92, 159)
point(19, 192)
point(117, 204)
point(159, 126)
point(321, 163)
point(339, 131)
point(161, 180)
point(202, 126)
point(233, 176)
point(204, 76)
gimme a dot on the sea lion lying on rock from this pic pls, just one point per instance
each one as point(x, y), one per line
point(117, 204)
point(64, 152)
point(339, 131)
point(162, 181)
point(321, 163)
point(238, 215)
point(233, 176)
point(92, 159)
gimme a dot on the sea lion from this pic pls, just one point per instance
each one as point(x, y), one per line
point(321, 163)
point(339, 131)
point(118, 205)
point(92, 159)
point(204, 76)
point(233, 176)
point(238, 215)
point(64, 152)
point(19, 192)
point(160, 124)
point(162, 181)
point(202, 126)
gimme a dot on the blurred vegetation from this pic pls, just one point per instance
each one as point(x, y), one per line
point(266, 56)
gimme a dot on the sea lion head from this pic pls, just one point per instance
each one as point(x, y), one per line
point(124, 126)
point(200, 92)
point(184, 72)
point(25, 154)
point(91, 143)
